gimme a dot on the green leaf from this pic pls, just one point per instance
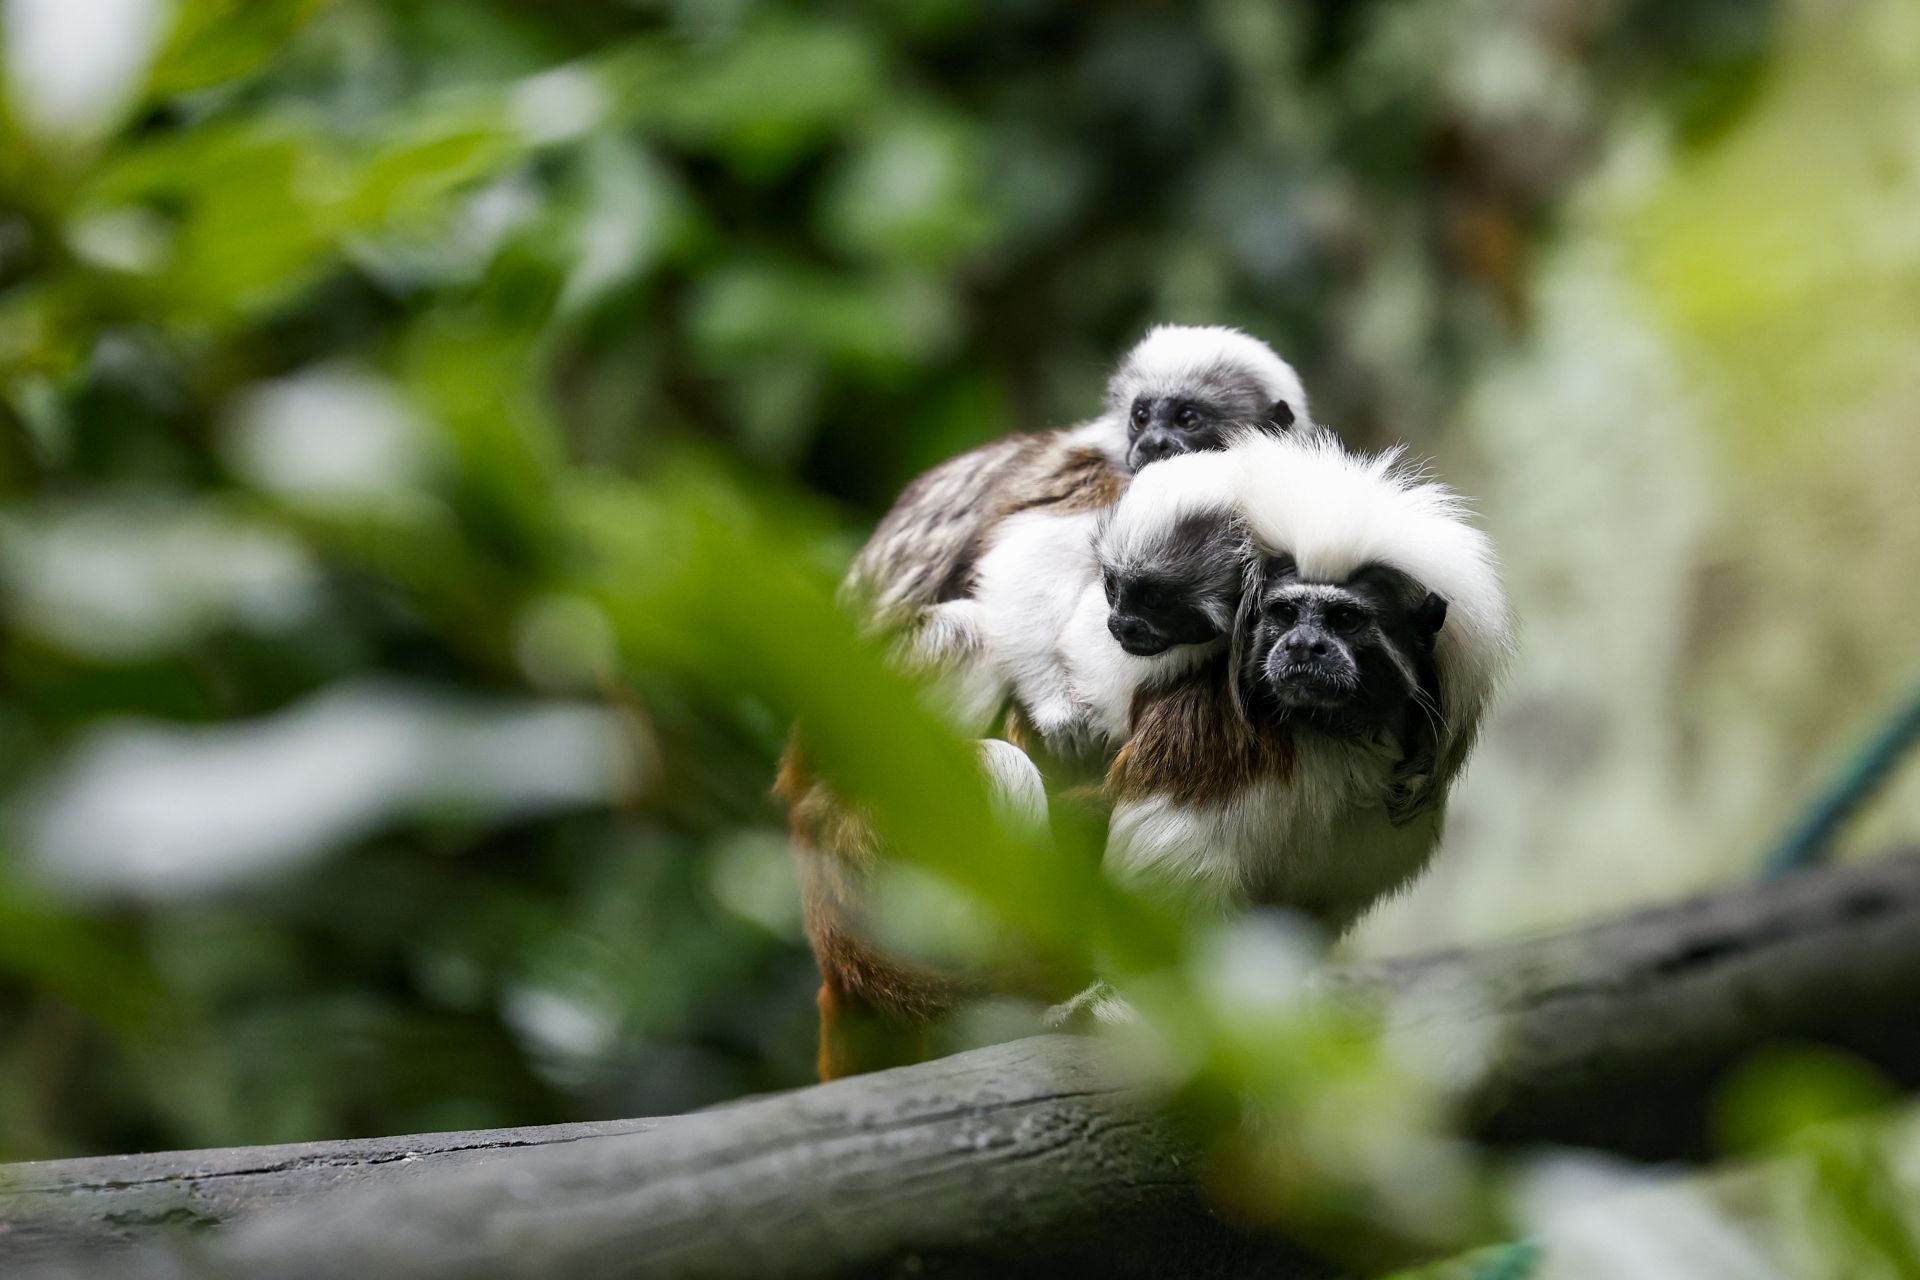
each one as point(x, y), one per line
point(910, 192)
point(785, 86)
point(217, 41)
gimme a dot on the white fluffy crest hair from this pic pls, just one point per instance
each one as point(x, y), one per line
point(1335, 512)
point(1181, 356)
point(1163, 495)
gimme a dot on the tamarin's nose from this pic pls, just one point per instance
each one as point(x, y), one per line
point(1305, 644)
point(1151, 449)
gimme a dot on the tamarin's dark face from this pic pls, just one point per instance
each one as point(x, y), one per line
point(1345, 656)
point(1196, 419)
point(1183, 590)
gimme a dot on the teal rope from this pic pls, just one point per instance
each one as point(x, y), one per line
point(1808, 840)
point(1515, 1261)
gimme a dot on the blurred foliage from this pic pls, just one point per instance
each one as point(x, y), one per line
point(1838, 1196)
point(490, 365)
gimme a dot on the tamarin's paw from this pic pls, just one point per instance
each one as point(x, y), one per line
point(1098, 1006)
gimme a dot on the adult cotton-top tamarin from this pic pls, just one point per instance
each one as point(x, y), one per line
point(1308, 764)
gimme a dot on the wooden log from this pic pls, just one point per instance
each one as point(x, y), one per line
point(997, 1160)
point(48, 1207)
point(1614, 1035)
point(1028, 1157)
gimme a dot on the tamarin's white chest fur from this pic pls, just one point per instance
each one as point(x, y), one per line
point(1038, 622)
point(1313, 835)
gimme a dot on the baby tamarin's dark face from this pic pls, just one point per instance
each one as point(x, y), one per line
point(1165, 426)
point(1345, 656)
point(1182, 589)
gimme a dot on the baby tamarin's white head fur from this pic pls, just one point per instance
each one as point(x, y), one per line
point(1186, 388)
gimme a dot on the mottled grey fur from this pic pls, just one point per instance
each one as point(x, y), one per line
point(923, 550)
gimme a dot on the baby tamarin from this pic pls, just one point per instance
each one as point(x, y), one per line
point(1181, 389)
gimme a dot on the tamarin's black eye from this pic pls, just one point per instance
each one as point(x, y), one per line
point(1342, 617)
point(1283, 612)
point(1188, 419)
point(1140, 415)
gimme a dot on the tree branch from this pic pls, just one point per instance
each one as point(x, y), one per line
point(1022, 1158)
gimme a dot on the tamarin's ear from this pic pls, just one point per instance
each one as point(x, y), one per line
point(1431, 615)
point(1281, 415)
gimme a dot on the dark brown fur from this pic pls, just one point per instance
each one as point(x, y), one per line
point(1191, 744)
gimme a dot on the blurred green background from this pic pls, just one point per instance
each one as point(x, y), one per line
point(431, 432)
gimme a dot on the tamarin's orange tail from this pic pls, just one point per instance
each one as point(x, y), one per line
point(876, 1010)
point(856, 1038)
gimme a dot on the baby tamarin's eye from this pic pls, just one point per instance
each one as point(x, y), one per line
point(1284, 612)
